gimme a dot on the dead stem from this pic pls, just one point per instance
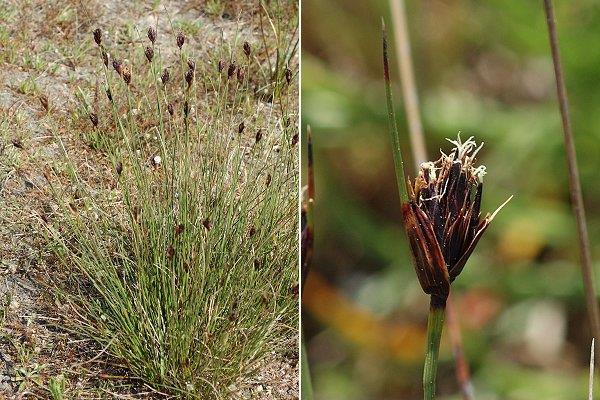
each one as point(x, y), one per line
point(574, 182)
point(407, 80)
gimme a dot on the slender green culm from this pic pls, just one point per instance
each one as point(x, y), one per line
point(435, 324)
point(398, 163)
point(306, 382)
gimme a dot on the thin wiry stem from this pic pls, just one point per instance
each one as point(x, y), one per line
point(435, 325)
point(419, 151)
point(306, 382)
point(307, 239)
point(398, 163)
point(407, 80)
point(574, 182)
point(307, 249)
point(591, 382)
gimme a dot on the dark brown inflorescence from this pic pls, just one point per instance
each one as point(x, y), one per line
point(442, 217)
point(97, 36)
point(288, 75)
point(189, 77)
point(94, 119)
point(247, 49)
point(152, 34)
point(127, 75)
point(231, 70)
point(221, 65)
point(118, 66)
point(180, 40)
point(191, 64)
point(165, 76)
point(149, 52)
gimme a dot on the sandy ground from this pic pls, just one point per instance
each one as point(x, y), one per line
point(44, 56)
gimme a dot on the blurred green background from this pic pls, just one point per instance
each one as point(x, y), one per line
point(483, 68)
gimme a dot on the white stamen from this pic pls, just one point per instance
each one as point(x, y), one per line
point(480, 172)
point(430, 167)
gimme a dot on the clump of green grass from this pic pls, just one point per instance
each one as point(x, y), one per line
point(182, 251)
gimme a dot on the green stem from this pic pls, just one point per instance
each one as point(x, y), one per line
point(307, 392)
point(434, 334)
point(398, 163)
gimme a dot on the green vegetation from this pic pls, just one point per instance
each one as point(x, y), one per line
point(181, 248)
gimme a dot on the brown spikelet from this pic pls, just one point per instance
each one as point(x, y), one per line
point(152, 34)
point(241, 127)
point(44, 101)
point(252, 231)
point(178, 229)
point(207, 224)
point(119, 168)
point(189, 77)
point(442, 217)
point(109, 95)
point(268, 181)
point(221, 65)
point(233, 316)
point(170, 252)
point(247, 49)
point(288, 75)
point(231, 70)
point(118, 66)
point(191, 64)
point(94, 119)
point(295, 139)
point(97, 36)
point(257, 264)
point(258, 135)
point(149, 52)
point(17, 143)
point(295, 290)
point(164, 77)
point(170, 109)
point(180, 40)
point(186, 109)
point(105, 58)
point(126, 75)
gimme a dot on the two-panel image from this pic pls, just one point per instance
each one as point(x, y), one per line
point(299, 199)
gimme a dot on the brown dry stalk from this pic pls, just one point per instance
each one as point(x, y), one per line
point(419, 151)
point(407, 80)
point(307, 222)
point(574, 182)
